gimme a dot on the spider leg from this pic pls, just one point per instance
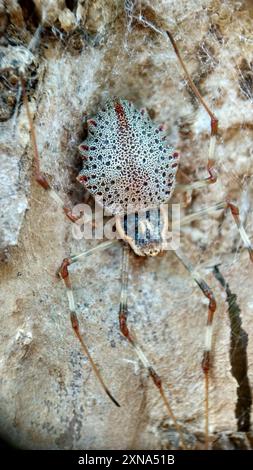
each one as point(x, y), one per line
point(39, 176)
point(236, 216)
point(206, 361)
point(214, 126)
point(64, 274)
point(243, 234)
point(130, 336)
point(198, 215)
point(211, 154)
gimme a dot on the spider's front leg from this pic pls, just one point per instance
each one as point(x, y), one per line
point(131, 337)
point(206, 362)
point(64, 274)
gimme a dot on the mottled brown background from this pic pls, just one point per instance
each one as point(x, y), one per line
point(49, 398)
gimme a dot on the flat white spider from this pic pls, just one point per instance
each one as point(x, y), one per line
point(127, 184)
point(130, 166)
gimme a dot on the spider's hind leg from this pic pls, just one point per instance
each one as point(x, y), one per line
point(39, 176)
point(211, 162)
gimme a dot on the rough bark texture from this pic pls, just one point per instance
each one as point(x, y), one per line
point(49, 397)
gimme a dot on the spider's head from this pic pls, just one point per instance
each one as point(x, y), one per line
point(144, 231)
point(149, 248)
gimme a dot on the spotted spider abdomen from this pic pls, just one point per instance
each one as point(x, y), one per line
point(128, 165)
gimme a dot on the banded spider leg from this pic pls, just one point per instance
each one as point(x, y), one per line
point(64, 274)
point(227, 204)
point(63, 271)
point(131, 337)
point(213, 174)
point(206, 361)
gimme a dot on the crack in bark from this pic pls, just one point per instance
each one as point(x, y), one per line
point(238, 357)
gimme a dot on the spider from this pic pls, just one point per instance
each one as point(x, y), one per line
point(130, 166)
point(126, 197)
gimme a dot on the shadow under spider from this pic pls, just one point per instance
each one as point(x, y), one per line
point(238, 356)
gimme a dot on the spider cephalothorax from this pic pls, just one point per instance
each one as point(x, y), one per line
point(128, 163)
point(146, 231)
